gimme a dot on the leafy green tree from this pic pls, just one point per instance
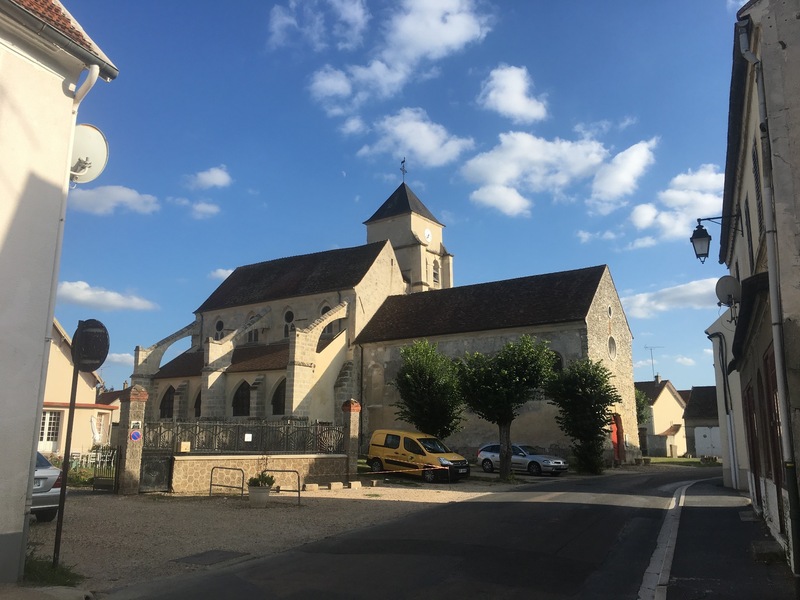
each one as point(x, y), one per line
point(584, 395)
point(495, 387)
point(642, 406)
point(430, 397)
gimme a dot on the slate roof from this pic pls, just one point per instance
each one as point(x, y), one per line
point(671, 430)
point(294, 276)
point(402, 201)
point(652, 389)
point(528, 301)
point(53, 14)
point(702, 403)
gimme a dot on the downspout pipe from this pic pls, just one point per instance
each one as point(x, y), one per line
point(776, 308)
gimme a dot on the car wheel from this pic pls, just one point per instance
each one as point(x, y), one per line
point(534, 468)
point(428, 475)
point(45, 516)
point(487, 465)
point(375, 465)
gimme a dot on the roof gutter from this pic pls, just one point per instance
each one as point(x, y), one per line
point(107, 71)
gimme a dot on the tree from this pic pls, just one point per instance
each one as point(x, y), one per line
point(430, 397)
point(495, 387)
point(584, 395)
point(642, 406)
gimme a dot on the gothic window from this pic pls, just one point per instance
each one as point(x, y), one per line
point(197, 406)
point(241, 400)
point(288, 326)
point(167, 403)
point(436, 273)
point(279, 399)
point(219, 330)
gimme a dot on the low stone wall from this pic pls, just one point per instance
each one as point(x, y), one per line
point(191, 473)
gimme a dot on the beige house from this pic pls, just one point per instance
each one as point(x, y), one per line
point(299, 336)
point(758, 244)
point(664, 433)
point(91, 420)
point(43, 53)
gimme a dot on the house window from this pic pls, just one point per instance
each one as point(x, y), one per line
point(436, 273)
point(252, 336)
point(241, 401)
point(288, 318)
point(167, 404)
point(558, 363)
point(51, 426)
point(197, 406)
point(279, 399)
point(218, 330)
point(749, 229)
point(757, 181)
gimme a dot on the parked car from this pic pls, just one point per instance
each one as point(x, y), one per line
point(523, 458)
point(46, 489)
point(416, 453)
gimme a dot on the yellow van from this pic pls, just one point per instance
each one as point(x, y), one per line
point(415, 453)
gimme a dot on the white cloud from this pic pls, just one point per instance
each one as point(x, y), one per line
point(698, 295)
point(204, 210)
point(126, 360)
point(685, 361)
point(690, 195)
point(532, 164)
point(314, 22)
point(418, 33)
point(104, 200)
point(329, 82)
point(220, 273)
point(505, 199)
point(642, 242)
point(353, 126)
point(619, 177)
point(410, 133)
point(82, 294)
point(587, 236)
point(506, 92)
point(211, 178)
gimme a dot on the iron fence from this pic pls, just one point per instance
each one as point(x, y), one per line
point(257, 437)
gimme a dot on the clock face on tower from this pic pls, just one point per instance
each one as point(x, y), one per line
point(428, 235)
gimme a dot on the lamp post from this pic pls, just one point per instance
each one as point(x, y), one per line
point(701, 242)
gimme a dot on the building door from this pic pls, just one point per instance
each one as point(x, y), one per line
point(50, 432)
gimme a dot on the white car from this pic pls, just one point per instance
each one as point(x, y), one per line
point(46, 489)
point(523, 458)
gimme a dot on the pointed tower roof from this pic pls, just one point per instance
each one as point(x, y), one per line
point(401, 202)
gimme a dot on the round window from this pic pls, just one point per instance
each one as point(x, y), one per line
point(612, 348)
point(219, 326)
point(289, 316)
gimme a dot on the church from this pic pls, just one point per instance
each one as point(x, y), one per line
point(301, 335)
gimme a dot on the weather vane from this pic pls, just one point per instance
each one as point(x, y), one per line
point(403, 168)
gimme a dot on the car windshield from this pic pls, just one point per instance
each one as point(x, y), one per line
point(528, 449)
point(433, 446)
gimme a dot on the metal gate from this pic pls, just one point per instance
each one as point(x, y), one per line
point(156, 473)
point(106, 470)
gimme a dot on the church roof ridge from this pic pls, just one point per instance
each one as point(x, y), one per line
point(524, 301)
point(402, 201)
point(293, 276)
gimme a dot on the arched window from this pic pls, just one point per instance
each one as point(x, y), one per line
point(197, 406)
point(436, 273)
point(219, 332)
point(167, 403)
point(279, 399)
point(288, 317)
point(241, 401)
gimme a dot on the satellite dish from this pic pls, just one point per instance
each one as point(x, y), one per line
point(729, 291)
point(89, 154)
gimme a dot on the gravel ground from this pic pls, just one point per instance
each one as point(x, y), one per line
point(115, 541)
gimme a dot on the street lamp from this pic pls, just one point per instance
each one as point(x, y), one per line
point(701, 239)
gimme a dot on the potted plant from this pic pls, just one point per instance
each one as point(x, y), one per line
point(258, 488)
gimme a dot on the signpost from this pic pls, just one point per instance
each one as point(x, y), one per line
point(89, 351)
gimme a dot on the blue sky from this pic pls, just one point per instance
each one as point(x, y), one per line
point(546, 136)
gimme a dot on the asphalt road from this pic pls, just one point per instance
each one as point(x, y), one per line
point(589, 538)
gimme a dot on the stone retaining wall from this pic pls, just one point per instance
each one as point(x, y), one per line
point(191, 473)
